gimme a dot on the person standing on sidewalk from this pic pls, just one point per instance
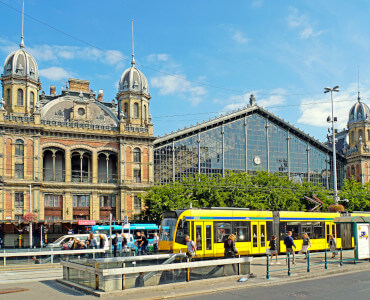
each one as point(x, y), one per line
point(273, 249)
point(155, 242)
point(191, 248)
point(114, 243)
point(289, 244)
point(306, 244)
point(333, 245)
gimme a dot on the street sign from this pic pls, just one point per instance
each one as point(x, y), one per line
point(86, 222)
point(125, 219)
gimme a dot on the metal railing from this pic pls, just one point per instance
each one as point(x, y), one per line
point(121, 277)
point(48, 254)
point(323, 260)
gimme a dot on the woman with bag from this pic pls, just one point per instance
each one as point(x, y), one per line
point(333, 245)
point(306, 245)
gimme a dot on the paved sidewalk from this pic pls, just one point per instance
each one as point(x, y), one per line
point(57, 291)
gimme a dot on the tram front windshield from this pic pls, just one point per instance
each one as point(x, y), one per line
point(168, 229)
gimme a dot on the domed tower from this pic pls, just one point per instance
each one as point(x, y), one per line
point(133, 95)
point(358, 154)
point(359, 124)
point(20, 81)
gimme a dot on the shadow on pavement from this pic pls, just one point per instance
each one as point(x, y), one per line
point(62, 288)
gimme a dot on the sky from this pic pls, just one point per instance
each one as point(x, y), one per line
point(204, 58)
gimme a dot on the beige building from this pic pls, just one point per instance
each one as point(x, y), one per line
point(75, 156)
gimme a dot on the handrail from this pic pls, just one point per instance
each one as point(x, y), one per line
point(137, 258)
point(156, 268)
point(46, 253)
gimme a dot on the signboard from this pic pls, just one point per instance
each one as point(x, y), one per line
point(125, 219)
point(363, 242)
point(86, 222)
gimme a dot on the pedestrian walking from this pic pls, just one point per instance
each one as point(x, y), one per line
point(93, 242)
point(289, 244)
point(305, 244)
point(124, 243)
point(191, 250)
point(273, 250)
point(37, 262)
point(155, 242)
point(230, 251)
point(143, 244)
point(114, 243)
point(333, 245)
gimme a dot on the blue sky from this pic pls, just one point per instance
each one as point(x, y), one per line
point(285, 52)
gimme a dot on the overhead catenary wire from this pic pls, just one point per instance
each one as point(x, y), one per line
point(201, 83)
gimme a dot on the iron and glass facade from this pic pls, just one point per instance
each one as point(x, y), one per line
point(244, 141)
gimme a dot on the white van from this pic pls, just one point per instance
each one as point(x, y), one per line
point(81, 237)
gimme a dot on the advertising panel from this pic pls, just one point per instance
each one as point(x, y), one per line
point(363, 241)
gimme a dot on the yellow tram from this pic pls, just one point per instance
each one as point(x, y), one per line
point(253, 229)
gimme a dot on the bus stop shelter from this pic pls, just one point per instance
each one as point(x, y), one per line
point(360, 226)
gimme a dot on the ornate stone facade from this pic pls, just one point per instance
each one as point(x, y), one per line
point(79, 157)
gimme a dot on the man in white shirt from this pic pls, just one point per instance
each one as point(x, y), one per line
point(191, 248)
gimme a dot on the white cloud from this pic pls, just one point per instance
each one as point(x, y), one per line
point(178, 85)
point(236, 34)
point(257, 3)
point(54, 73)
point(302, 23)
point(275, 98)
point(157, 57)
point(55, 53)
point(314, 111)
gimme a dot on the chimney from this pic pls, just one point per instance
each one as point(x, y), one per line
point(100, 95)
point(79, 85)
point(52, 90)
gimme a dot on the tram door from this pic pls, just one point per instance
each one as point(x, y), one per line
point(258, 232)
point(330, 230)
point(203, 238)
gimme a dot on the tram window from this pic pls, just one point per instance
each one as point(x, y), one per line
point(183, 230)
point(282, 229)
point(263, 238)
point(338, 231)
point(269, 230)
point(333, 230)
point(294, 228)
point(318, 230)
point(242, 231)
point(222, 231)
point(198, 236)
point(208, 237)
point(255, 238)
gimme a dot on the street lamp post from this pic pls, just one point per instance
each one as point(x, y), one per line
point(331, 90)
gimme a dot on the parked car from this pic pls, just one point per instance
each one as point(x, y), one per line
point(81, 237)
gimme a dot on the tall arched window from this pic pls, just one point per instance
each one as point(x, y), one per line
point(20, 97)
point(125, 111)
point(352, 137)
point(360, 134)
point(137, 155)
point(19, 148)
point(8, 96)
point(136, 110)
point(32, 99)
point(144, 115)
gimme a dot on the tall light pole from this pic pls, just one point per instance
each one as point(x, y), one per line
point(333, 119)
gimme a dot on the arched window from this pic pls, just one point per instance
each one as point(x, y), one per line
point(137, 155)
point(32, 99)
point(353, 170)
point(352, 136)
point(144, 115)
point(19, 148)
point(20, 97)
point(136, 110)
point(8, 97)
point(125, 111)
point(360, 135)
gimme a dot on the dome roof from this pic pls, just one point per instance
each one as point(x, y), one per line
point(133, 79)
point(21, 63)
point(359, 112)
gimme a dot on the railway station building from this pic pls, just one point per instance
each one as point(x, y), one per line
point(245, 140)
point(70, 157)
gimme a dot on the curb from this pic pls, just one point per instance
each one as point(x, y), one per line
point(178, 290)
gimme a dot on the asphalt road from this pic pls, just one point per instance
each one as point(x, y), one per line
point(355, 286)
